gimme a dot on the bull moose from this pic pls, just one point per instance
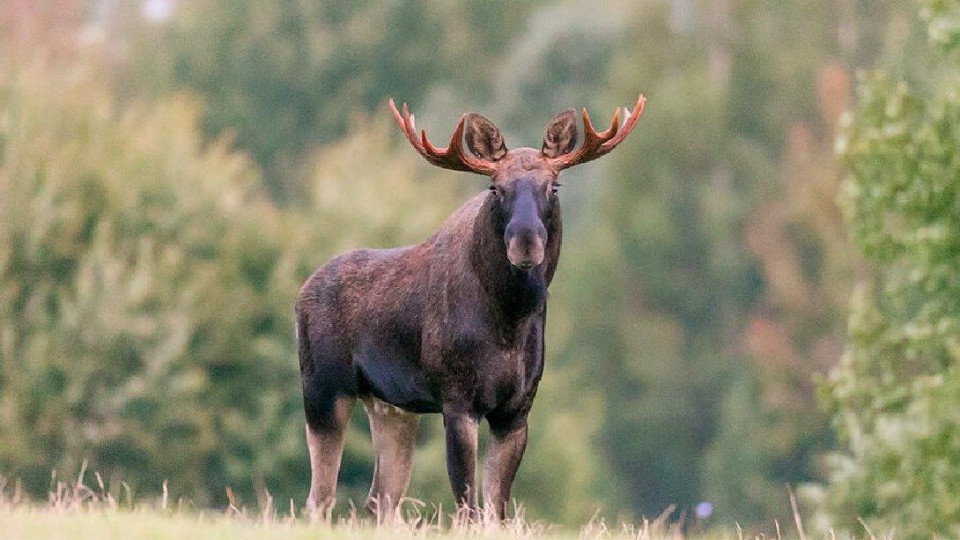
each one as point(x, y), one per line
point(452, 326)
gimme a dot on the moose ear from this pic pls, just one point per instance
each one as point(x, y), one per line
point(483, 138)
point(561, 134)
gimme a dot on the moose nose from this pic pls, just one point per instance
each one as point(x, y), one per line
point(525, 245)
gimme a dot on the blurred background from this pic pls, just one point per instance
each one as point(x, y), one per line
point(171, 171)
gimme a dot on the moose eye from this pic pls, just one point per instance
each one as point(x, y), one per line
point(555, 188)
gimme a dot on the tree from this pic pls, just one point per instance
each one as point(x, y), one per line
point(705, 238)
point(139, 270)
point(284, 77)
point(895, 396)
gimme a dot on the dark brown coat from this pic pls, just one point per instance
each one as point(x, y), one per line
point(452, 326)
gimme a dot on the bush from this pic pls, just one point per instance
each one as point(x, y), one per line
point(144, 295)
point(896, 395)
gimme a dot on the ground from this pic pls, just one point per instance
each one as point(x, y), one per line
point(29, 522)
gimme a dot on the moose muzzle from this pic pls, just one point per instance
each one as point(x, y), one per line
point(525, 236)
point(525, 251)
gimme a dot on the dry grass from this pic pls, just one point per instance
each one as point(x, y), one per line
point(75, 510)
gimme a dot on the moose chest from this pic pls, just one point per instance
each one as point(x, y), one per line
point(464, 366)
point(479, 370)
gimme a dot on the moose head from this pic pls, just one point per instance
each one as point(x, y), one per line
point(523, 179)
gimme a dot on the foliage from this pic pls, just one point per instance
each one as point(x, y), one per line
point(141, 295)
point(943, 23)
point(285, 76)
point(700, 307)
point(896, 394)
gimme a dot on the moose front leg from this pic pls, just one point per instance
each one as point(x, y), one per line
point(508, 440)
point(461, 431)
point(393, 431)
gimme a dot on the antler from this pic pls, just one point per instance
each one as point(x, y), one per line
point(452, 157)
point(599, 144)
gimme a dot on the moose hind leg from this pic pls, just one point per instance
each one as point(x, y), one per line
point(325, 437)
point(394, 432)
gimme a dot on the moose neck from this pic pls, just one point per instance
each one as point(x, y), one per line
point(514, 293)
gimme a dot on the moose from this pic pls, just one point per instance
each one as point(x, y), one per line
point(454, 325)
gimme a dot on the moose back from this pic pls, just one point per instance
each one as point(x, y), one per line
point(452, 326)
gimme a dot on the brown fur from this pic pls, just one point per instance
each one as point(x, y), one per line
point(453, 325)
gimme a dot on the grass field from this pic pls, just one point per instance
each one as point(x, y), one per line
point(74, 511)
point(102, 522)
point(33, 523)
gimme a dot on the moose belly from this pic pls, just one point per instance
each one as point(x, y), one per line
point(392, 374)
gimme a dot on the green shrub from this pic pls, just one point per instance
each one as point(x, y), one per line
point(144, 295)
point(896, 395)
